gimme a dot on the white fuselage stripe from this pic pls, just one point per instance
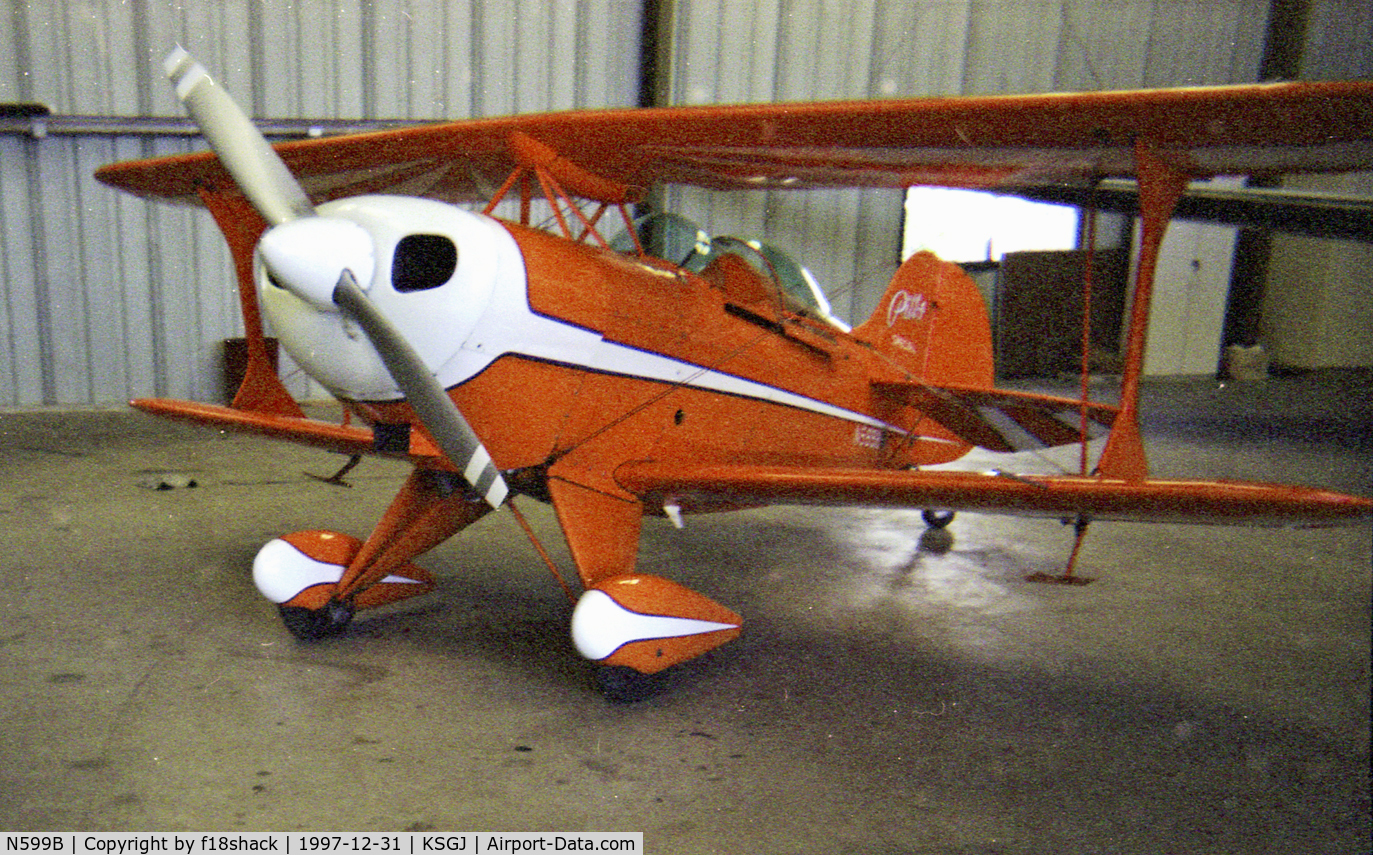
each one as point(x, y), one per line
point(481, 314)
point(509, 326)
point(620, 359)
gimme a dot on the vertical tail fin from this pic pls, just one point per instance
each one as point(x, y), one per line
point(933, 321)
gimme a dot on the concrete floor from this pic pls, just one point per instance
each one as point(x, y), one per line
point(1208, 694)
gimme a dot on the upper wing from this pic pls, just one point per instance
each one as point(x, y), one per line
point(976, 141)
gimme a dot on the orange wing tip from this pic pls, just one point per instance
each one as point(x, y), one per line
point(648, 623)
point(304, 567)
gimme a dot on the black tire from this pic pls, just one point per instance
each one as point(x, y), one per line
point(623, 685)
point(937, 519)
point(315, 624)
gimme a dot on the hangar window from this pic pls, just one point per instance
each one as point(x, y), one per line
point(422, 262)
point(969, 226)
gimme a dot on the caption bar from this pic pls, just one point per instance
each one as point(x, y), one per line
point(296, 843)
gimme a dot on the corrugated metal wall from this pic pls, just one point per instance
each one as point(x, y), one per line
point(103, 297)
point(742, 50)
point(347, 59)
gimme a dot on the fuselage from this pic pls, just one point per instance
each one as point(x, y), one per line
point(564, 353)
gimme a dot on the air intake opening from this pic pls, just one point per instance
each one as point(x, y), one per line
point(422, 262)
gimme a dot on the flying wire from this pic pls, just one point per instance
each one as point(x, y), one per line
point(538, 547)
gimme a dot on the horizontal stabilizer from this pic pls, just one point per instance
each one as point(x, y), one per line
point(1002, 420)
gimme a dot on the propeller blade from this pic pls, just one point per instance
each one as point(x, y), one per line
point(256, 168)
point(293, 252)
point(437, 412)
point(279, 198)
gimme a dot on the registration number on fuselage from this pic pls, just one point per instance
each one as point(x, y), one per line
point(867, 436)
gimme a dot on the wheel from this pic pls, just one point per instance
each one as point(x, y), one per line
point(623, 685)
point(314, 624)
point(936, 519)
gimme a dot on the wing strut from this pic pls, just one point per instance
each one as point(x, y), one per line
point(1160, 186)
point(261, 390)
point(557, 177)
point(1085, 387)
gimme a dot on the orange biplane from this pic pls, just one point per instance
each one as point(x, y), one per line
point(666, 373)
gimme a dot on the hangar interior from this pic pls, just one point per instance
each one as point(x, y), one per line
point(894, 691)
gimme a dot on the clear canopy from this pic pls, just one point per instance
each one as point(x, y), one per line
point(678, 240)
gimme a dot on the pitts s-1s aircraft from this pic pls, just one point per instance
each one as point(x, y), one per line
point(673, 377)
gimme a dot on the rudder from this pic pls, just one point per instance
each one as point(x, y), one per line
point(933, 321)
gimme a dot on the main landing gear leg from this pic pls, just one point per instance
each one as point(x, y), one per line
point(1067, 578)
point(318, 579)
point(631, 625)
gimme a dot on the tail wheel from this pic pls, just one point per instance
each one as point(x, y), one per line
point(315, 624)
point(936, 519)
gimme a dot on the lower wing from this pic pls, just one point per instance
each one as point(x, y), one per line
point(416, 446)
point(667, 484)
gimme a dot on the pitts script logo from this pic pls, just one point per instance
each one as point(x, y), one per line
point(908, 306)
